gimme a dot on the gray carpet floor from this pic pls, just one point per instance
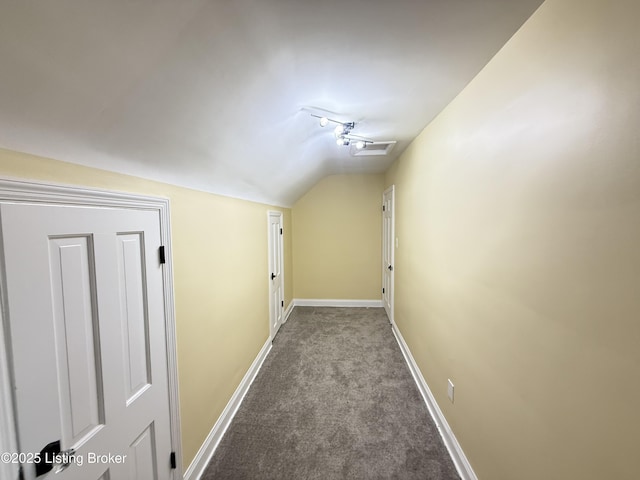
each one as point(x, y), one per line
point(333, 400)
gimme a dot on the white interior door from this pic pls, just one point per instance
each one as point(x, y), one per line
point(388, 239)
point(84, 297)
point(276, 280)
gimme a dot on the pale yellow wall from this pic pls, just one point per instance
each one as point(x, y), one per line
point(518, 267)
point(337, 230)
point(221, 283)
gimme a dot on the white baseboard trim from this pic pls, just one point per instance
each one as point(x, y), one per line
point(203, 457)
point(315, 302)
point(288, 311)
point(457, 455)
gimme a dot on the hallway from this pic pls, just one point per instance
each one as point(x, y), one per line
point(333, 400)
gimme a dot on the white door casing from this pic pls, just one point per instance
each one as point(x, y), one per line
point(276, 272)
point(89, 312)
point(388, 250)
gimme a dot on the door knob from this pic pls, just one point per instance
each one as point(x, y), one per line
point(51, 456)
point(44, 462)
point(273, 275)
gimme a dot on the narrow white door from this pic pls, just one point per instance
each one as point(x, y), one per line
point(84, 292)
point(388, 235)
point(276, 281)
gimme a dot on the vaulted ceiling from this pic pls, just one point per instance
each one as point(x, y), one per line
point(217, 95)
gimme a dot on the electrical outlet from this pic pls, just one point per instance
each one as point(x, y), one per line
point(450, 390)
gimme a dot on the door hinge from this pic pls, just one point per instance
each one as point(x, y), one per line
point(172, 459)
point(383, 208)
point(383, 290)
point(20, 473)
point(280, 231)
point(161, 253)
point(282, 303)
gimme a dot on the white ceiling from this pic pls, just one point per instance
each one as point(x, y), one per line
point(212, 94)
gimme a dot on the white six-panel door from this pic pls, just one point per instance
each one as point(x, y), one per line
point(276, 283)
point(84, 291)
point(388, 238)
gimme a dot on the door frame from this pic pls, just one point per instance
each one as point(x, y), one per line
point(274, 213)
point(31, 192)
point(392, 191)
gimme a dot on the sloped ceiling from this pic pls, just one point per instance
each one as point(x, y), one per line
point(215, 95)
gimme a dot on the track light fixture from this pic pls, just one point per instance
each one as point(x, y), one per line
point(343, 134)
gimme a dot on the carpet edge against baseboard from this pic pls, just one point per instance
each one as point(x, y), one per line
point(324, 302)
point(208, 448)
point(450, 441)
point(287, 312)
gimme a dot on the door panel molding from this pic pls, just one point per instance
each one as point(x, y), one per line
point(40, 193)
point(75, 315)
